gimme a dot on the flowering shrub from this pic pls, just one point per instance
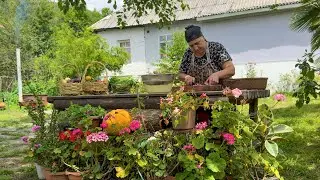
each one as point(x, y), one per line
point(178, 103)
point(231, 145)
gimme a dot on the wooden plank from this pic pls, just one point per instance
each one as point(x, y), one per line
point(128, 101)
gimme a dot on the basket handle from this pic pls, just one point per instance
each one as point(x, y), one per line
point(87, 67)
point(75, 67)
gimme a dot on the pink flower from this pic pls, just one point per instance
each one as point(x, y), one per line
point(37, 146)
point(227, 91)
point(134, 125)
point(97, 137)
point(35, 128)
point(76, 132)
point(182, 88)
point(106, 117)
point(199, 166)
point(203, 95)
point(103, 125)
point(161, 100)
point(169, 100)
point(189, 148)
point(279, 97)
point(236, 92)
point(176, 110)
point(25, 139)
point(229, 138)
point(124, 131)
point(201, 126)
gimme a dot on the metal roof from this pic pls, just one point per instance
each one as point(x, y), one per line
point(198, 9)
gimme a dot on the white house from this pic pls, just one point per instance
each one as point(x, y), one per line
point(251, 31)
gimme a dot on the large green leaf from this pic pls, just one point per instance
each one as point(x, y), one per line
point(215, 163)
point(279, 128)
point(272, 148)
point(198, 142)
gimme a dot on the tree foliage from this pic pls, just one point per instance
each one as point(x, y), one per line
point(72, 52)
point(173, 55)
point(163, 9)
point(307, 18)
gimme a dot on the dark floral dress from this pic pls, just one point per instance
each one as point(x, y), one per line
point(202, 67)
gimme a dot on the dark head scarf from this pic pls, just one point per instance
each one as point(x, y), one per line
point(192, 32)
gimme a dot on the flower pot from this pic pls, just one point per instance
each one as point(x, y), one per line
point(39, 171)
point(158, 83)
point(54, 176)
point(246, 83)
point(74, 175)
point(188, 123)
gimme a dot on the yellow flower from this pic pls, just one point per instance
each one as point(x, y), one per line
point(206, 105)
point(121, 173)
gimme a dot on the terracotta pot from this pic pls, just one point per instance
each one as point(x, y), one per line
point(74, 175)
point(2, 105)
point(189, 123)
point(54, 176)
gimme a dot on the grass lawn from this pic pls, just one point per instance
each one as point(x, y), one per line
point(301, 149)
point(14, 123)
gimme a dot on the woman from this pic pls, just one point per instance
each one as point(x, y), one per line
point(204, 63)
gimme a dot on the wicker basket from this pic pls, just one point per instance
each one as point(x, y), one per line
point(94, 87)
point(70, 89)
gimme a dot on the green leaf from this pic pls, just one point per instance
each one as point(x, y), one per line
point(210, 146)
point(247, 131)
point(132, 151)
point(142, 162)
point(279, 128)
point(88, 154)
point(99, 176)
point(272, 148)
point(182, 175)
point(215, 163)
point(198, 142)
point(209, 178)
point(276, 138)
point(57, 151)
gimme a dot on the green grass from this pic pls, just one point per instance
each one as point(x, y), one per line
point(14, 123)
point(301, 148)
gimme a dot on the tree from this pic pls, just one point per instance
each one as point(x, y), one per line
point(72, 52)
point(307, 18)
point(173, 55)
point(163, 9)
point(106, 11)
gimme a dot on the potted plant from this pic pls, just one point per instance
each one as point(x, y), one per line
point(180, 107)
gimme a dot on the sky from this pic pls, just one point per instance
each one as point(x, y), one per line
point(99, 4)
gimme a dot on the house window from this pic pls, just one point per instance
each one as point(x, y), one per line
point(126, 45)
point(165, 42)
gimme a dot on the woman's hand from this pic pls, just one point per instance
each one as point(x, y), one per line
point(212, 79)
point(189, 80)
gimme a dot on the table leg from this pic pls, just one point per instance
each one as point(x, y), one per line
point(253, 109)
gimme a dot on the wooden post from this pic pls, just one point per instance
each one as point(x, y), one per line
point(253, 109)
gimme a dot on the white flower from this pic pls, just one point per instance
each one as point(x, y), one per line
point(157, 134)
point(151, 138)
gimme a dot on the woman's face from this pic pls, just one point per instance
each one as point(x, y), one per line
point(198, 46)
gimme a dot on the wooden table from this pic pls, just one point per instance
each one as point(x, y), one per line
point(151, 101)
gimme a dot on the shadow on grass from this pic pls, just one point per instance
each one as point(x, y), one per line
point(293, 111)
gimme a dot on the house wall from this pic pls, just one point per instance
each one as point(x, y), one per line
point(264, 39)
point(137, 66)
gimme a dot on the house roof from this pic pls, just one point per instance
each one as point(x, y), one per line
point(198, 9)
